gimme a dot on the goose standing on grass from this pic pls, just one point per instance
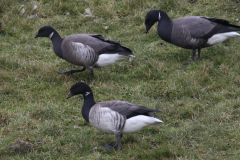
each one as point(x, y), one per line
point(115, 116)
point(194, 32)
point(87, 50)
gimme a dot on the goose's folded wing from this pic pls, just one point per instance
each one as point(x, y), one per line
point(127, 109)
point(198, 27)
point(204, 27)
point(100, 37)
point(112, 46)
point(100, 45)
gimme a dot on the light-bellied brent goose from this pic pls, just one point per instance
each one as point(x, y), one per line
point(116, 117)
point(87, 50)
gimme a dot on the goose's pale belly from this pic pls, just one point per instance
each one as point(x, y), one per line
point(110, 121)
point(109, 59)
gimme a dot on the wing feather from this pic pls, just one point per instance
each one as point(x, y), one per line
point(127, 109)
point(101, 45)
point(198, 27)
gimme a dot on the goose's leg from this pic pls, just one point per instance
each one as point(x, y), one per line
point(199, 51)
point(72, 71)
point(194, 54)
point(190, 60)
point(117, 144)
point(91, 71)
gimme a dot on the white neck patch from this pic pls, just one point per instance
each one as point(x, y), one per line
point(87, 93)
point(159, 16)
point(50, 36)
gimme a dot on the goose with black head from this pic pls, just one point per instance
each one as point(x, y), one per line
point(87, 50)
point(194, 32)
point(116, 117)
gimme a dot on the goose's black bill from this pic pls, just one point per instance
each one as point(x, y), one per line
point(69, 95)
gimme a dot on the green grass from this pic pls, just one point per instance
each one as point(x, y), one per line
point(200, 103)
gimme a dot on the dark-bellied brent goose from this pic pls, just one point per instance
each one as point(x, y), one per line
point(116, 117)
point(87, 50)
point(194, 32)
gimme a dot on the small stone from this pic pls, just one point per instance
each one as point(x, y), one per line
point(33, 16)
point(88, 13)
point(44, 16)
point(23, 11)
point(35, 7)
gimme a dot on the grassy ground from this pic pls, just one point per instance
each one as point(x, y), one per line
point(200, 103)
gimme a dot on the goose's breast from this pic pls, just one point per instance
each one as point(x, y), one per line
point(106, 119)
point(182, 37)
point(79, 54)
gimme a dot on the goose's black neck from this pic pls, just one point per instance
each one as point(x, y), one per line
point(57, 42)
point(87, 105)
point(165, 27)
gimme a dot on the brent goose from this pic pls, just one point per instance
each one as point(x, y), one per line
point(116, 117)
point(194, 32)
point(87, 50)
